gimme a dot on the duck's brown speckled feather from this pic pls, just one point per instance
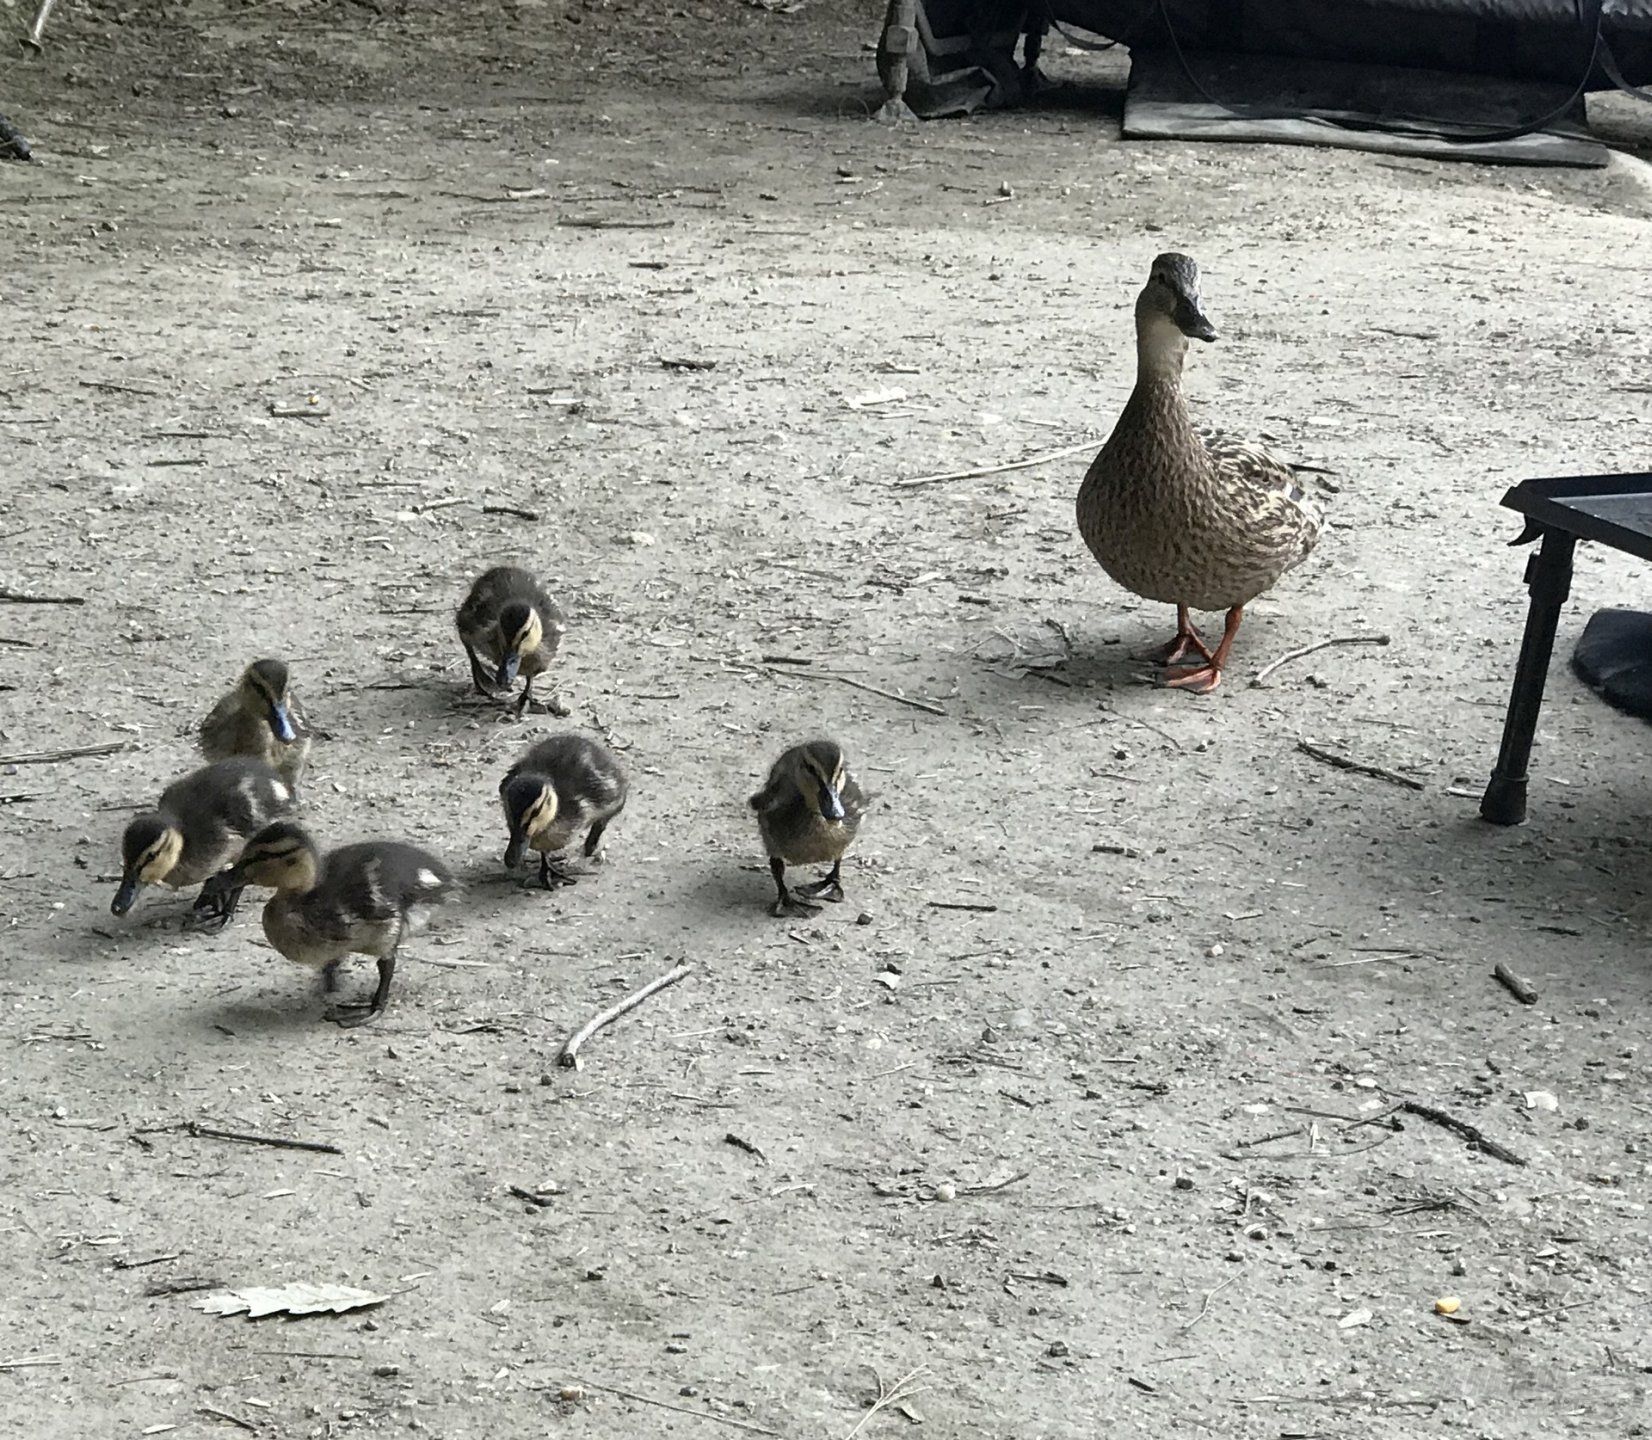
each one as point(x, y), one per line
point(1185, 515)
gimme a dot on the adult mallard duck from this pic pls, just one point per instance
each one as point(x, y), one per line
point(510, 622)
point(360, 899)
point(808, 813)
point(196, 830)
point(1181, 514)
point(560, 786)
point(260, 718)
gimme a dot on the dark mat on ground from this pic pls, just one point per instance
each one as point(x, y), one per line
point(1614, 657)
point(1262, 98)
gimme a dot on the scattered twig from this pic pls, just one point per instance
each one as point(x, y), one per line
point(186, 460)
point(926, 706)
point(537, 1198)
point(1268, 670)
point(889, 1395)
point(443, 504)
point(569, 1054)
point(602, 222)
point(785, 659)
point(960, 905)
point(51, 757)
point(236, 1420)
point(22, 597)
point(1014, 1179)
point(1043, 458)
point(1342, 762)
point(1204, 1309)
point(1522, 990)
point(1471, 1133)
point(742, 1144)
point(1112, 847)
point(680, 1409)
point(278, 1142)
point(119, 389)
point(686, 362)
point(19, 799)
point(518, 511)
point(32, 1360)
point(182, 1285)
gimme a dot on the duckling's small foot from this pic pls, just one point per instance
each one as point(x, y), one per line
point(214, 906)
point(793, 904)
point(350, 1016)
point(830, 888)
point(479, 677)
point(786, 900)
point(554, 877)
point(347, 1017)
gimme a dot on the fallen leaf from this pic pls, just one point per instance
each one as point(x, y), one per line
point(1353, 1318)
point(255, 1302)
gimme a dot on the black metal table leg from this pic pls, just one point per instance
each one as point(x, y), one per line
point(1549, 577)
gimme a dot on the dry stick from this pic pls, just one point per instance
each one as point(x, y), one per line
point(218, 1414)
point(960, 905)
point(1041, 459)
point(515, 510)
point(897, 1394)
point(206, 1132)
point(1205, 1308)
point(1342, 762)
point(37, 1360)
point(1268, 670)
point(1522, 990)
point(569, 1054)
point(680, 1409)
point(48, 757)
point(22, 597)
point(1472, 1133)
point(923, 705)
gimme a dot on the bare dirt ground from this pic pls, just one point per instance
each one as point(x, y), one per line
point(1088, 1166)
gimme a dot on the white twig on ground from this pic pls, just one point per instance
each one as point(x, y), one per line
point(569, 1054)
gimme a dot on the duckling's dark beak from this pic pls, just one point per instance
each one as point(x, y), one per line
point(831, 808)
point(281, 722)
point(1192, 321)
point(507, 670)
point(124, 897)
point(516, 849)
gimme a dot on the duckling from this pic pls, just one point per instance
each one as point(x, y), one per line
point(260, 717)
point(198, 829)
point(808, 813)
point(1182, 514)
point(360, 899)
point(558, 787)
point(509, 620)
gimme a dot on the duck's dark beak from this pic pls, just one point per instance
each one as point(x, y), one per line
point(281, 722)
point(506, 673)
point(1192, 321)
point(831, 807)
point(124, 897)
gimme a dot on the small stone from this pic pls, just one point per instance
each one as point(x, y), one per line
point(1056, 1349)
point(1184, 1182)
point(946, 1190)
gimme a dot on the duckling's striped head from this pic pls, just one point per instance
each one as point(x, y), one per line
point(520, 631)
point(1172, 293)
point(823, 769)
point(265, 685)
point(530, 809)
point(150, 851)
point(281, 856)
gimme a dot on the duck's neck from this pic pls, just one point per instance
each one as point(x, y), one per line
point(1160, 348)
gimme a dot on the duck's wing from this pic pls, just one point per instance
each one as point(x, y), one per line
point(1270, 482)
